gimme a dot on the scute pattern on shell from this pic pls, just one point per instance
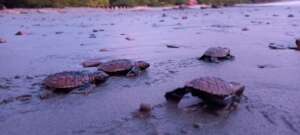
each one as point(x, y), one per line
point(114, 66)
point(67, 79)
point(213, 86)
point(217, 52)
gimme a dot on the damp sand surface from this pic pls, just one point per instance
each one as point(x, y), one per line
point(58, 40)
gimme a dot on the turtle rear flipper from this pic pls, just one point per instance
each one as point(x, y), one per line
point(99, 77)
point(214, 60)
point(46, 94)
point(230, 57)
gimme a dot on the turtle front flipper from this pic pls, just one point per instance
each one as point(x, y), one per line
point(98, 77)
point(214, 60)
point(135, 71)
point(176, 95)
point(85, 89)
point(204, 58)
point(46, 94)
point(230, 57)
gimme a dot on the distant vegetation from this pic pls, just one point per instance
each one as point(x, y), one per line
point(108, 3)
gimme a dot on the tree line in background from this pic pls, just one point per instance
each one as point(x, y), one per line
point(108, 3)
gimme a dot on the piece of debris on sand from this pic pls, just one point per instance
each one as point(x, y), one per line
point(172, 46)
point(144, 111)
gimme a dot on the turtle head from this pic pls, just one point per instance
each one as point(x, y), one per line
point(99, 77)
point(142, 65)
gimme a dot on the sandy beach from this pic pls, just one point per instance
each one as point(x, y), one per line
point(58, 40)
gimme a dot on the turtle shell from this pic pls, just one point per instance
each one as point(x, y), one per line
point(91, 63)
point(73, 79)
point(116, 67)
point(217, 52)
point(214, 86)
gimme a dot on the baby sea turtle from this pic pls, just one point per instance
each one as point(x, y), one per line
point(68, 80)
point(123, 67)
point(216, 54)
point(298, 43)
point(213, 91)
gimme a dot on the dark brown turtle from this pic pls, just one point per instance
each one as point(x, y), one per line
point(298, 43)
point(123, 67)
point(68, 80)
point(212, 90)
point(216, 54)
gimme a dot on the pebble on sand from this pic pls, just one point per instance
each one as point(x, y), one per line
point(98, 30)
point(171, 46)
point(92, 36)
point(184, 18)
point(290, 15)
point(245, 29)
point(103, 50)
point(145, 108)
point(129, 39)
point(144, 111)
point(20, 33)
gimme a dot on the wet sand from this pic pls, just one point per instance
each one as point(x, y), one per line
point(59, 40)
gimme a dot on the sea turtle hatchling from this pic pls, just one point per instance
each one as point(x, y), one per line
point(123, 67)
point(216, 54)
point(214, 92)
point(69, 80)
point(297, 43)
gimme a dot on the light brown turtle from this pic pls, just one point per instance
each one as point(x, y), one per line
point(91, 63)
point(212, 90)
point(69, 80)
point(216, 54)
point(123, 67)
